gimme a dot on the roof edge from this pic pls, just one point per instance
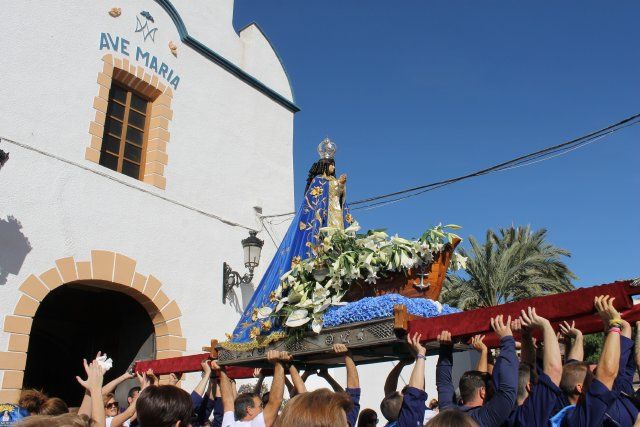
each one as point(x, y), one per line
point(224, 63)
point(273, 48)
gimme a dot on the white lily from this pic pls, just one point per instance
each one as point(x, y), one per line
point(319, 293)
point(264, 312)
point(321, 308)
point(400, 241)
point(294, 296)
point(353, 228)
point(316, 324)
point(297, 318)
point(305, 303)
point(406, 261)
point(281, 304)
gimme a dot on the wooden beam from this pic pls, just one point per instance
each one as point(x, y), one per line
point(211, 349)
point(400, 318)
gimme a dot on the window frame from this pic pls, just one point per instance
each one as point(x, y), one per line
point(125, 123)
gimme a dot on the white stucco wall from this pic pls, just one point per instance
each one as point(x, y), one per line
point(230, 150)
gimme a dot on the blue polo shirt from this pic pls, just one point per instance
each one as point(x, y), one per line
point(590, 410)
point(413, 408)
point(352, 415)
point(196, 399)
point(497, 409)
point(218, 412)
point(622, 411)
point(544, 400)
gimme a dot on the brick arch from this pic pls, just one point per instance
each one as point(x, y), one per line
point(105, 269)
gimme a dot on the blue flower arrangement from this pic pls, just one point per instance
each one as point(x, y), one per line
point(378, 307)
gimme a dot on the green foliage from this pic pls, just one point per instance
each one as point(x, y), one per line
point(514, 264)
point(593, 347)
point(342, 257)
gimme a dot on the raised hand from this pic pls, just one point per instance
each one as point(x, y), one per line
point(607, 312)
point(414, 344)
point(478, 344)
point(206, 368)
point(444, 338)
point(95, 377)
point(569, 330)
point(152, 377)
point(343, 178)
point(143, 380)
point(274, 356)
point(257, 372)
point(214, 365)
point(340, 349)
point(285, 356)
point(516, 325)
point(502, 328)
point(531, 320)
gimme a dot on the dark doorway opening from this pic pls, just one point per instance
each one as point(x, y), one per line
point(75, 321)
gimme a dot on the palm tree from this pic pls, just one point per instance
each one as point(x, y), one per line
point(517, 263)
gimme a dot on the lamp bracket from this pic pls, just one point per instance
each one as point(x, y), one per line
point(231, 279)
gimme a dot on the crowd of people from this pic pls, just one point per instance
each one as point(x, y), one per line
point(532, 386)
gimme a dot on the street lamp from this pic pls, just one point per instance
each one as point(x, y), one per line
point(252, 247)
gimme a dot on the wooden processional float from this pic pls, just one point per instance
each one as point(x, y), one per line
point(372, 341)
point(384, 339)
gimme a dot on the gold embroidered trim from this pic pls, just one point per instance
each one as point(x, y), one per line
point(250, 345)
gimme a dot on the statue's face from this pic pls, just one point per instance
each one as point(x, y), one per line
point(332, 168)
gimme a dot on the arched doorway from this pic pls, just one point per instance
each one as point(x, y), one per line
point(75, 321)
point(105, 271)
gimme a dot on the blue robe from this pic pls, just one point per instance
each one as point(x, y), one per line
point(301, 235)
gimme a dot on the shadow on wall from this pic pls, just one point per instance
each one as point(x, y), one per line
point(14, 247)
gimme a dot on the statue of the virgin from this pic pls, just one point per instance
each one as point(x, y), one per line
point(323, 206)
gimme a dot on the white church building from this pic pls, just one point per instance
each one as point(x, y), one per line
point(144, 139)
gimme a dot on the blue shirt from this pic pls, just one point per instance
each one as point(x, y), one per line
point(590, 410)
point(196, 399)
point(218, 412)
point(544, 400)
point(413, 407)
point(622, 411)
point(497, 409)
point(352, 415)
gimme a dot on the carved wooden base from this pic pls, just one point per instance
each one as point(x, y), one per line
point(373, 341)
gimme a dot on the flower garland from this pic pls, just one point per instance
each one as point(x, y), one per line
point(340, 258)
point(371, 308)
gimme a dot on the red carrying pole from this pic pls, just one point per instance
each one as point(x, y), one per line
point(568, 305)
point(183, 364)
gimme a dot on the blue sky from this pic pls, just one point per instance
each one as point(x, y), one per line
point(417, 91)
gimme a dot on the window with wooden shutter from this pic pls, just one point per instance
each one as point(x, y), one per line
point(125, 132)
